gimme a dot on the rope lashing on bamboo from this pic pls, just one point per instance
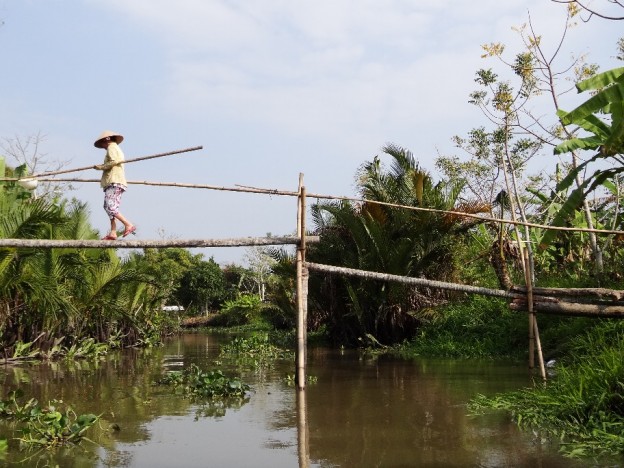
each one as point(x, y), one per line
point(290, 193)
point(146, 244)
point(78, 169)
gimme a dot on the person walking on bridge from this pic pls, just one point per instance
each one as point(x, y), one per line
point(113, 182)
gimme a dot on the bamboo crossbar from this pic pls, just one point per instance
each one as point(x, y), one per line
point(600, 293)
point(409, 280)
point(146, 244)
point(519, 303)
point(571, 308)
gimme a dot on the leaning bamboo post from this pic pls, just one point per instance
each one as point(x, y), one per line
point(300, 358)
point(529, 292)
point(534, 340)
point(540, 356)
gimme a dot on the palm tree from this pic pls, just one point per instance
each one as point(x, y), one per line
point(379, 237)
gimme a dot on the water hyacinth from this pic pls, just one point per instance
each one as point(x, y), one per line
point(198, 384)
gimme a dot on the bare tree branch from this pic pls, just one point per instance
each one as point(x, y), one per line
point(592, 11)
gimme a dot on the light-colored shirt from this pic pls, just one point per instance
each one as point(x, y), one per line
point(116, 174)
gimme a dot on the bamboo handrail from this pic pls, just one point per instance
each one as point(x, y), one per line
point(146, 244)
point(291, 193)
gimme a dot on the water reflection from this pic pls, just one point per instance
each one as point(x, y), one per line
point(363, 411)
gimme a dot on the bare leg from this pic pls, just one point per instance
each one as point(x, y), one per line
point(127, 224)
point(129, 228)
point(113, 228)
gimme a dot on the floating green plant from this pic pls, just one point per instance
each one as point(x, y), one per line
point(48, 426)
point(196, 383)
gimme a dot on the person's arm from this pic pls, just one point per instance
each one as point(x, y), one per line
point(114, 157)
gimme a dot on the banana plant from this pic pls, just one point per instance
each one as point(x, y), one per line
point(604, 138)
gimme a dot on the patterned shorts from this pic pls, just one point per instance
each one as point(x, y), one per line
point(112, 199)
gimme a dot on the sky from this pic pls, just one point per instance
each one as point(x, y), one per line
point(271, 89)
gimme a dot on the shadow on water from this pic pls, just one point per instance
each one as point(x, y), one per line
point(361, 412)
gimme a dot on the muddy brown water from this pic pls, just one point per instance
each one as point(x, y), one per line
point(362, 411)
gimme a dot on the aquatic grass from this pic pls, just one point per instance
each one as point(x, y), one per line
point(583, 406)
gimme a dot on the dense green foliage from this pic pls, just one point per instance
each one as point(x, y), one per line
point(243, 310)
point(383, 238)
point(57, 302)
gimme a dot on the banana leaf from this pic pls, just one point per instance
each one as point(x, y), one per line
point(614, 144)
point(574, 201)
point(595, 104)
point(591, 123)
point(573, 144)
point(543, 198)
point(601, 80)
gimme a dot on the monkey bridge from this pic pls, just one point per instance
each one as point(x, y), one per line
point(592, 302)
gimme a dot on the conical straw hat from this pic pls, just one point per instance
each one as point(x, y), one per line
point(116, 137)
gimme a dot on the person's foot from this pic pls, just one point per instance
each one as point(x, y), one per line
point(129, 230)
point(109, 237)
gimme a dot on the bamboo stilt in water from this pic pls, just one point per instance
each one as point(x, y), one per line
point(303, 433)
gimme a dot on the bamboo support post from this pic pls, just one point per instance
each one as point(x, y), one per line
point(301, 299)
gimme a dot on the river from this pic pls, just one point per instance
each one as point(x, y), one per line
point(360, 411)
